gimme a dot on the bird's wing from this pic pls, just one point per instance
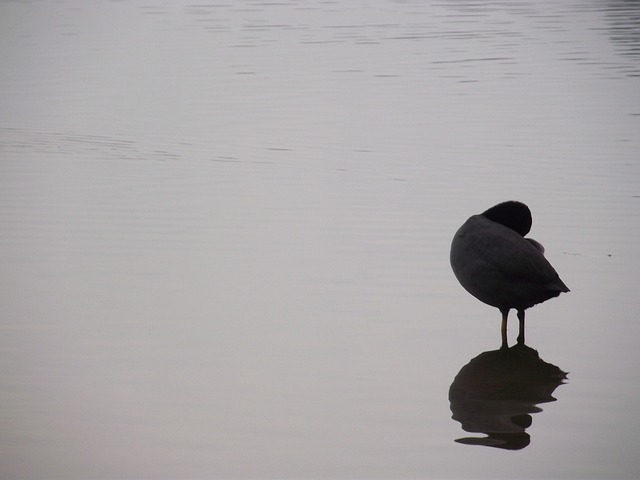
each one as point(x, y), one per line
point(514, 257)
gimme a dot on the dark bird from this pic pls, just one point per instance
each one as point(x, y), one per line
point(494, 262)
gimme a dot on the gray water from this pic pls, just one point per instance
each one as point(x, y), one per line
point(225, 228)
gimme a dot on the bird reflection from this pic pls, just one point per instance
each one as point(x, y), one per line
point(496, 393)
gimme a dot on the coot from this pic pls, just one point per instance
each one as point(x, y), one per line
point(495, 263)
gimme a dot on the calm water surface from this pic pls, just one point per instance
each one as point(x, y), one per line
point(225, 231)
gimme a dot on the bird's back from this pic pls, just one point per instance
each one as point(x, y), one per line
point(500, 267)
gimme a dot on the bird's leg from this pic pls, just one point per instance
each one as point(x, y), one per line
point(503, 329)
point(521, 332)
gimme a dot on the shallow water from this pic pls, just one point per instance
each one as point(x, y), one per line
point(225, 235)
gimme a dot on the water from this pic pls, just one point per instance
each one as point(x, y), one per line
point(225, 234)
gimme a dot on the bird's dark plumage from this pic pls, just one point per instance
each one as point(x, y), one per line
point(495, 263)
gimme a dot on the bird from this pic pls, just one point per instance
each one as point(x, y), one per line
point(494, 262)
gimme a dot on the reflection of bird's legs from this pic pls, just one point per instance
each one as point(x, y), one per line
point(521, 333)
point(503, 330)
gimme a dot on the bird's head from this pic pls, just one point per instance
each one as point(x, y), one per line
point(512, 214)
